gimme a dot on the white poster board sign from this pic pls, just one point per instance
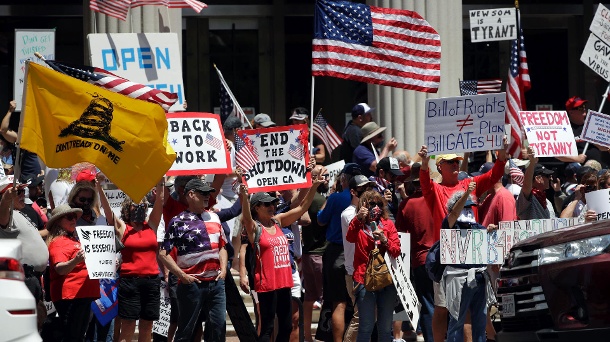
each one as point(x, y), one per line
point(549, 133)
point(405, 290)
point(596, 55)
point(115, 198)
point(27, 42)
point(600, 25)
point(488, 25)
point(600, 202)
point(199, 142)
point(100, 255)
point(334, 170)
point(152, 59)
point(162, 325)
point(465, 123)
point(597, 129)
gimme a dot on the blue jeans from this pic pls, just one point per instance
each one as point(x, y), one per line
point(473, 299)
point(425, 294)
point(195, 297)
point(381, 301)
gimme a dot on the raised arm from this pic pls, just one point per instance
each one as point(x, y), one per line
point(459, 205)
point(295, 213)
point(104, 201)
point(246, 217)
point(528, 179)
point(8, 134)
point(157, 211)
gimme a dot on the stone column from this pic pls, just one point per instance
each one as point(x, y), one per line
point(402, 111)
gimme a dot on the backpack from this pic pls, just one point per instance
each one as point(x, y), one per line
point(433, 262)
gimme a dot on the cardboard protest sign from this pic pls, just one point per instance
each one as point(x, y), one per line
point(600, 25)
point(115, 198)
point(465, 123)
point(334, 170)
point(405, 290)
point(152, 59)
point(488, 25)
point(549, 133)
point(199, 142)
point(600, 202)
point(100, 255)
point(477, 246)
point(161, 325)
point(597, 129)
point(596, 55)
point(27, 42)
point(274, 158)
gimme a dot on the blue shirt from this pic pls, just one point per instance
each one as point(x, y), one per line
point(364, 157)
point(331, 215)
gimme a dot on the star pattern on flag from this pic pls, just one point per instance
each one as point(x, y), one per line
point(346, 21)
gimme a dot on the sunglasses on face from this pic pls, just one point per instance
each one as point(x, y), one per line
point(71, 216)
point(202, 193)
point(268, 204)
point(21, 192)
point(85, 199)
point(380, 135)
point(452, 161)
point(376, 204)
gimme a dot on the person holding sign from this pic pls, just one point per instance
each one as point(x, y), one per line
point(300, 115)
point(577, 207)
point(273, 273)
point(577, 112)
point(139, 288)
point(532, 202)
point(370, 229)
point(72, 291)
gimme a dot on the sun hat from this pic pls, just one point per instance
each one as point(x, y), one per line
point(59, 212)
point(370, 130)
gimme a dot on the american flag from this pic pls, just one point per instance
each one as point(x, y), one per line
point(515, 172)
point(327, 134)
point(213, 141)
point(114, 83)
point(478, 87)
point(296, 151)
point(397, 48)
point(226, 105)
point(245, 156)
point(113, 8)
point(518, 83)
point(119, 8)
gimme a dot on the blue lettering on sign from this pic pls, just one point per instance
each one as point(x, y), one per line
point(112, 60)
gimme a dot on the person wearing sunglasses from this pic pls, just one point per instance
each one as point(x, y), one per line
point(72, 291)
point(139, 288)
point(366, 154)
point(577, 202)
point(372, 228)
point(84, 195)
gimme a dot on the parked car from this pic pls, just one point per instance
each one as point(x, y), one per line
point(17, 304)
point(556, 286)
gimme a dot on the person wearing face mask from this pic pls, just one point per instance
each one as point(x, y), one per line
point(385, 177)
point(414, 217)
point(364, 155)
point(84, 195)
point(577, 207)
point(139, 286)
point(532, 202)
point(369, 229)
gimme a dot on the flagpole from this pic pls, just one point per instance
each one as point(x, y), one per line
point(39, 56)
point(17, 166)
point(601, 106)
point(235, 103)
point(313, 87)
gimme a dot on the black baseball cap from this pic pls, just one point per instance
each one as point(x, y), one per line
point(541, 170)
point(198, 185)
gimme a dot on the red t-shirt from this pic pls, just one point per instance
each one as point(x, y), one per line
point(276, 271)
point(140, 252)
point(75, 284)
point(171, 209)
point(498, 206)
point(414, 217)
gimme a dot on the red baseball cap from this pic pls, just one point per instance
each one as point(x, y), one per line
point(574, 102)
point(86, 175)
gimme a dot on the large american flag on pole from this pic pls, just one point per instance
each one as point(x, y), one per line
point(518, 83)
point(114, 83)
point(478, 87)
point(197, 6)
point(245, 156)
point(327, 134)
point(397, 48)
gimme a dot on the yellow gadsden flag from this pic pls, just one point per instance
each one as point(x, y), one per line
point(66, 121)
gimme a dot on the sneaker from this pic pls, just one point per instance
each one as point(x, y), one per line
point(409, 336)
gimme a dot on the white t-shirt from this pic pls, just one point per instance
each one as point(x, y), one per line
point(227, 185)
point(348, 248)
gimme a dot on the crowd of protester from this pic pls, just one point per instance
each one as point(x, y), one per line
point(294, 250)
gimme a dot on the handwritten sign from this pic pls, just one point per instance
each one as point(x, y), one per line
point(477, 246)
point(404, 288)
point(281, 157)
point(597, 129)
point(596, 55)
point(115, 198)
point(334, 170)
point(465, 123)
point(600, 25)
point(199, 142)
point(27, 42)
point(162, 325)
point(488, 25)
point(549, 133)
point(152, 59)
point(600, 202)
point(100, 255)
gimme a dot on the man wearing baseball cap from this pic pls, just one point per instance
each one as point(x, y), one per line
point(352, 136)
point(532, 202)
point(577, 112)
point(388, 169)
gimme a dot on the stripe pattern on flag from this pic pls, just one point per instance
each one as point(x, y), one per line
point(296, 151)
point(478, 87)
point(114, 83)
point(244, 152)
point(213, 141)
point(197, 6)
point(397, 48)
point(327, 134)
point(515, 172)
point(113, 8)
point(518, 83)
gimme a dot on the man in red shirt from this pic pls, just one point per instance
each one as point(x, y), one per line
point(437, 195)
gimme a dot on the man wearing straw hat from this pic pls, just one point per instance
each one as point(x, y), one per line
point(366, 154)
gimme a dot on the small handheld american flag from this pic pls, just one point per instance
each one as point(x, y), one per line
point(327, 134)
point(515, 172)
point(244, 153)
point(296, 151)
point(478, 87)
